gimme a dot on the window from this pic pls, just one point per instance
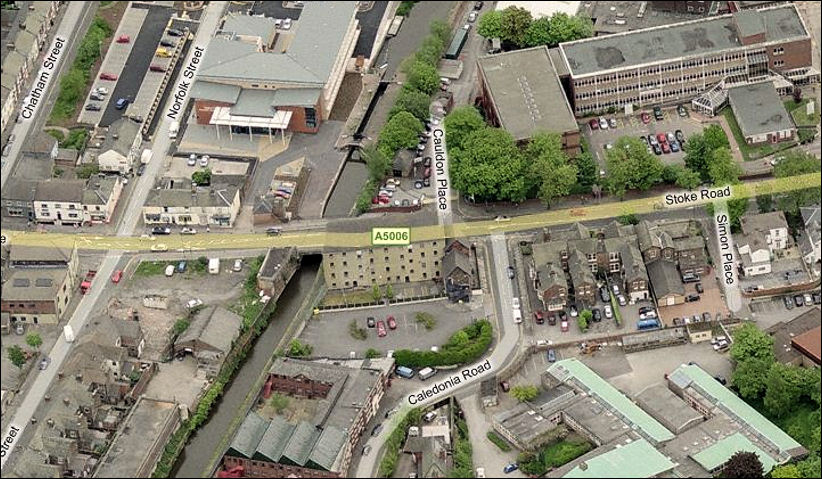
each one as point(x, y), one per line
point(310, 118)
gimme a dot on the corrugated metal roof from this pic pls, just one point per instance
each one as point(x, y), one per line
point(328, 447)
point(301, 442)
point(248, 436)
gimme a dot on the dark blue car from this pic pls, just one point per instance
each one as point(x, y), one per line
point(121, 103)
point(510, 468)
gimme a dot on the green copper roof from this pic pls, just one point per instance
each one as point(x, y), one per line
point(637, 459)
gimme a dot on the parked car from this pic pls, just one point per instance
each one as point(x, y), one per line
point(657, 149)
point(376, 430)
point(478, 5)
point(510, 468)
point(817, 298)
point(123, 39)
point(188, 231)
point(573, 311)
point(603, 123)
point(674, 146)
point(552, 319)
point(121, 103)
point(504, 386)
point(699, 288)
point(96, 96)
point(799, 300)
point(552, 356)
point(683, 112)
point(646, 118)
point(204, 160)
point(515, 303)
point(622, 300)
point(563, 326)
point(175, 32)
point(117, 276)
point(609, 313)
point(658, 113)
point(511, 272)
point(238, 265)
point(666, 148)
point(808, 299)
point(691, 298)
point(108, 76)
point(472, 17)
point(612, 122)
point(181, 267)
point(680, 137)
point(101, 90)
point(44, 363)
point(645, 309)
point(392, 323)
point(661, 138)
point(603, 294)
point(286, 24)
point(706, 316)
point(192, 160)
point(597, 315)
point(168, 43)
point(381, 331)
point(788, 302)
point(594, 124)
point(690, 278)
point(161, 230)
point(721, 379)
point(539, 317)
point(480, 472)
point(157, 68)
point(92, 107)
point(140, 170)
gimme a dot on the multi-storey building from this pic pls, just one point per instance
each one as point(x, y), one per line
point(672, 63)
point(37, 296)
point(59, 202)
point(421, 261)
point(215, 205)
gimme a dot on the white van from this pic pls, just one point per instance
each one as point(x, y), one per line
point(170, 270)
point(174, 129)
point(214, 266)
point(426, 373)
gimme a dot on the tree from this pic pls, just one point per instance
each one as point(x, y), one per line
point(16, 356)
point(555, 176)
point(715, 137)
point(584, 319)
point(430, 51)
point(539, 32)
point(378, 164)
point(749, 377)
point(34, 340)
point(687, 178)
point(587, 171)
point(786, 471)
point(86, 171)
point(279, 402)
point(524, 393)
point(722, 169)
point(441, 30)
point(810, 467)
point(372, 353)
point(400, 132)
point(797, 94)
point(515, 23)
point(783, 388)
point(490, 24)
point(413, 101)
point(180, 326)
point(201, 177)
point(696, 154)
point(794, 163)
point(764, 203)
point(631, 166)
point(299, 349)
point(489, 166)
point(460, 123)
point(375, 293)
point(750, 342)
point(423, 77)
point(743, 465)
point(567, 28)
point(389, 292)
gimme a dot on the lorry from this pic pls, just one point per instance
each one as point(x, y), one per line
point(404, 372)
point(85, 285)
point(145, 157)
point(426, 373)
point(173, 129)
point(395, 26)
point(214, 266)
point(68, 333)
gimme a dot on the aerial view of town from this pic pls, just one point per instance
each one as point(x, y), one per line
point(411, 239)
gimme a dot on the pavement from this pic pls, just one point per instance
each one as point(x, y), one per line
point(77, 15)
point(89, 302)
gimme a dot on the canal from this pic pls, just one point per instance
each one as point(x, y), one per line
point(202, 446)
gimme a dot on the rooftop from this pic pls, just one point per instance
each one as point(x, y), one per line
point(636, 459)
point(664, 43)
point(784, 333)
point(809, 343)
point(120, 136)
point(667, 407)
point(718, 454)
point(758, 108)
point(665, 278)
point(70, 191)
point(763, 222)
point(34, 284)
point(214, 326)
point(690, 375)
point(203, 197)
point(573, 369)
point(98, 190)
point(527, 93)
point(37, 254)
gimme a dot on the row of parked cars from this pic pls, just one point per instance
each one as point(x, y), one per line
point(372, 322)
point(806, 299)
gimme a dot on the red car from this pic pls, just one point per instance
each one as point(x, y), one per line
point(646, 118)
point(108, 76)
point(157, 68)
point(666, 148)
point(661, 138)
point(392, 323)
point(115, 278)
point(563, 326)
point(381, 332)
point(539, 317)
point(594, 124)
point(123, 39)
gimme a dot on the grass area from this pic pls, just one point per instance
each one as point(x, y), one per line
point(553, 455)
point(498, 441)
point(798, 114)
point(76, 139)
point(57, 135)
point(351, 297)
point(76, 79)
point(752, 152)
point(249, 305)
point(151, 268)
point(615, 307)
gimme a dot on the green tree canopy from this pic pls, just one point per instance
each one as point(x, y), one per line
point(567, 28)
point(515, 23)
point(783, 389)
point(749, 377)
point(459, 124)
point(400, 132)
point(687, 178)
point(750, 342)
point(539, 32)
point(431, 50)
point(423, 77)
point(16, 356)
point(743, 465)
point(490, 24)
point(489, 166)
point(378, 164)
point(797, 162)
point(715, 137)
point(201, 177)
point(723, 169)
point(550, 168)
point(786, 471)
point(34, 340)
point(587, 171)
point(631, 166)
point(414, 102)
point(524, 393)
point(441, 30)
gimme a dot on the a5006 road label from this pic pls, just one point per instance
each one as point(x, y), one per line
point(391, 236)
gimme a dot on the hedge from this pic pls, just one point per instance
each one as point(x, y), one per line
point(465, 346)
point(498, 441)
point(394, 442)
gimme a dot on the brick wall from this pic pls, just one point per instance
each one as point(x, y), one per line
point(273, 469)
point(299, 388)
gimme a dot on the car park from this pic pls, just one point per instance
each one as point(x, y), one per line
point(92, 107)
point(392, 323)
point(594, 124)
point(108, 76)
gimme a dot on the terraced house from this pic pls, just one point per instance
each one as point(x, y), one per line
point(698, 58)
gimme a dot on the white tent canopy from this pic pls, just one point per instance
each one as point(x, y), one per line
point(222, 117)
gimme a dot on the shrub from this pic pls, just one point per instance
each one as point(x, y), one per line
point(498, 441)
point(87, 171)
point(426, 319)
point(372, 353)
point(465, 346)
point(357, 332)
point(394, 442)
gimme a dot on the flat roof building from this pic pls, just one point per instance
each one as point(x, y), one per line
point(522, 93)
point(634, 459)
point(760, 113)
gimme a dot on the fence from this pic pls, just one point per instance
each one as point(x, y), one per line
point(793, 288)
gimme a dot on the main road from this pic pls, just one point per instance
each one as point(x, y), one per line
point(28, 406)
point(77, 15)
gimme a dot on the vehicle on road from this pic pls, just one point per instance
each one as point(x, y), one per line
point(121, 103)
point(511, 272)
point(510, 468)
point(123, 39)
point(85, 285)
point(108, 76)
point(92, 107)
point(515, 303)
point(44, 363)
point(371, 322)
point(117, 276)
point(159, 247)
point(392, 323)
point(161, 230)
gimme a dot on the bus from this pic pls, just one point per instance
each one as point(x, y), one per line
point(395, 25)
point(404, 372)
point(457, 43)
point(426, 373)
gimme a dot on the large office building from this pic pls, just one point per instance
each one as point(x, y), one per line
point(259, 78)
point(698, 58)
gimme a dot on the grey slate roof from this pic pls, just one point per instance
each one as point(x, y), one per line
point(249, 435)
point(120, 136)
point(664, 43)
point(275, 439)
point(758, 109)
point(98, 190)
point(665, 278)
point(328, 447)
point(527, 93)
point(60, 190)
point(19, 190)
point(309, 58)
point(811, 215)
point(205, 90)
point(301, 442)
point(578, 268)
point(763, 222)
point(215, 326)
point(296, 97)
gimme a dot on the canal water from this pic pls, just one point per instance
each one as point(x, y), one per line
point(202, 445)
